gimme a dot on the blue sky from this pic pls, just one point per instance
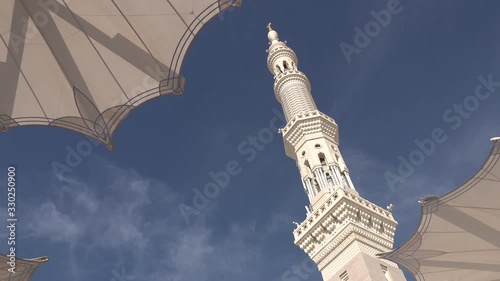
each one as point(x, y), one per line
point(116, 215)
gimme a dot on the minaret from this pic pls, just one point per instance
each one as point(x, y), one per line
point(342, 232)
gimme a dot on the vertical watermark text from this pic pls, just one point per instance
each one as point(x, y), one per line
point(11, 219)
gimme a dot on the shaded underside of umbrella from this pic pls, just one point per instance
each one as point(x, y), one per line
point(23, 270)
point(84, 65)
point(459, 234)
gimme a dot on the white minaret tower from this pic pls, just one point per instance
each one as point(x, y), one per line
point(342, 232)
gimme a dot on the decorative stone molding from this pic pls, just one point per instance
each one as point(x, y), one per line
point(344, 210)
point(279, 52)
point(287, 77)
point(306, 124)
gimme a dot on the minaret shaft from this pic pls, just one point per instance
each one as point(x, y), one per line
point(295, 100)
point(342, 232)
point(310, 136)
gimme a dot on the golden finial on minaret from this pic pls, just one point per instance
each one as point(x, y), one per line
point(269, 26)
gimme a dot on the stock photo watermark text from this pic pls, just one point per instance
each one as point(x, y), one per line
point(11, 219)
point(454, 117)
point(363, 37)
point(221, 179)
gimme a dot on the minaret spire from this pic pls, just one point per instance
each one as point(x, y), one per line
point(342, 232)
point(272, 35)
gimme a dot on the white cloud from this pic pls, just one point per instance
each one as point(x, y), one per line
point(125, 217)
point(201, 255)
point(280, 221)
point(48, 222)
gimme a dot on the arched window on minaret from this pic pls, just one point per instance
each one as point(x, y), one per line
point(344, 180)
point(309, 171)
point(316, 185)
point(278, 69)
point(322, 160)
point(285, 65)
point(329, 179)
point(310, 174)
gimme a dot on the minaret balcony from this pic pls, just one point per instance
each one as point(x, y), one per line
point(286, 73)
point(287, 77)
point(344, 208)
point(305, 126)
point(278, 53)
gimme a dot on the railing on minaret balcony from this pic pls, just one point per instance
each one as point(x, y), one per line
point(349, 180)
point(309, 188)
point(331, 179)
point(335, 175)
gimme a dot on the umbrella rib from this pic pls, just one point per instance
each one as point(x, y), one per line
point(136, 34)
point(469, 223)
point(71, 64)
point(182, 19)
point(95, 49)
point(477, 208)
point(19, 63)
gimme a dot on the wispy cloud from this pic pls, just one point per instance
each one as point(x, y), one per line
point(48, 222)
point(125, 219)
point(429, 179)
point(127, 223)
point(280, 221)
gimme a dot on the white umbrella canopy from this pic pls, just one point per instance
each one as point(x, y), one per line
point(24, 268)
point(459, 234)
point(84, 65)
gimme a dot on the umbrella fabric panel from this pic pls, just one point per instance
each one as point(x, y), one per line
point(84, 65)
point(459, 233)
